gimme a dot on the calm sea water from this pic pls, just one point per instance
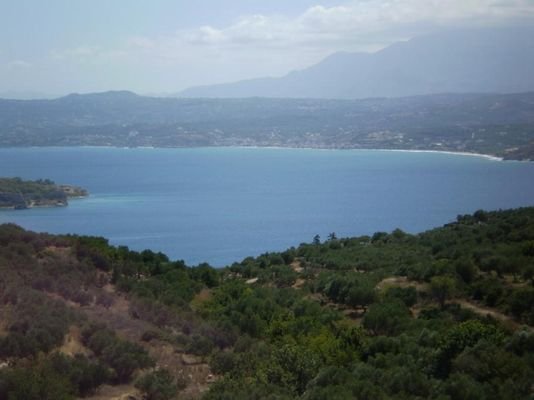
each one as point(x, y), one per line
point(222, 204)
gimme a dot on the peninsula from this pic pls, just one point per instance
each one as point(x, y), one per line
point(20, 194)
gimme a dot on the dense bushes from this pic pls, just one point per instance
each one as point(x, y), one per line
point(53, 377)
point(350, 288)
point(38, 325)
point(157, 385)
point(121, 356)
point(444, 352)
point(315, 322)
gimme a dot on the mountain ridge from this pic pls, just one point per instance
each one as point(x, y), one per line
point(476, 60)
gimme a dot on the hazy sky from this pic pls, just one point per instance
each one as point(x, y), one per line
point(163, 46)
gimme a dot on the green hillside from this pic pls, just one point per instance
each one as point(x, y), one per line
point(445, 314)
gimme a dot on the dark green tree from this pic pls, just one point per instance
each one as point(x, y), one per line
point(157, 385)
point(442, 288)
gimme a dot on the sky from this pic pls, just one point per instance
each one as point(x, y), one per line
point(56, 47)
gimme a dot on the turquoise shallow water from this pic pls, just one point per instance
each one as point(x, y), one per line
point(222, 204)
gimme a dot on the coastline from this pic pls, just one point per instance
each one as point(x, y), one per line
point(29, 207)
point(457, 153)
point(451, 152)
point(51, 205)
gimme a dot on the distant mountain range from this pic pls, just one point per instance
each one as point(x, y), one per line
point(499, 60)
point(498, 124)
point(27, 95)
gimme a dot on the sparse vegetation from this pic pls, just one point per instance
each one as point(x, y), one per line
point(443, 314)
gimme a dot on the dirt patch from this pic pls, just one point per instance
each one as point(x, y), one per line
point(109, 288)
point(401, 281)
point(185, 367)
point(200, 298)
point(72, 343)
point(118, 317)
point(57, 296)
point(61, 251)
point(486, 311)
point(296, 266)
point(57, 254)
point(119, 392)
point(514, 282)
point(203, 296)
point(354, 314)
point(299, 282)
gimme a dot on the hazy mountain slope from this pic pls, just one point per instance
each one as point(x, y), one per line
point(480, 60)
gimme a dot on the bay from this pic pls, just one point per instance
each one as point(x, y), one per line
point(220, 205)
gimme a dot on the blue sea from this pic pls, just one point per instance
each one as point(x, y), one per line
point(220, 205)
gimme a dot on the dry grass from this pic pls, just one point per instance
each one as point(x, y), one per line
point(118, 317)
point(401, 281)
point(72, 343)
point(119, 392)
point(297, 266)
point(299, 283)
point(200, 298)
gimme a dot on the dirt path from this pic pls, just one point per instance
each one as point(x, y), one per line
point(485, 311)
point(118, 392)
point(402, 281)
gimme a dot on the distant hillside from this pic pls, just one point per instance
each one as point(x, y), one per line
point(495, 124)
point(466, 61)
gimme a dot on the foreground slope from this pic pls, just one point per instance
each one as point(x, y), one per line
point(445, 314)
